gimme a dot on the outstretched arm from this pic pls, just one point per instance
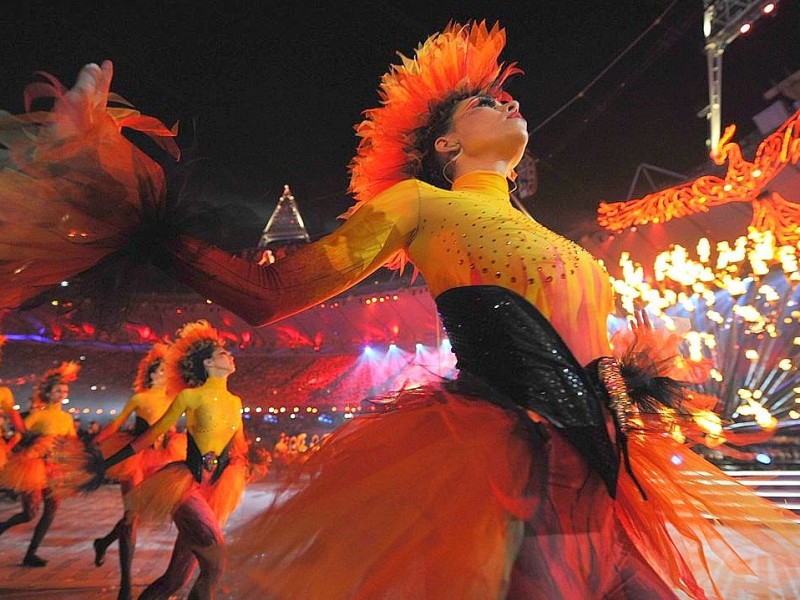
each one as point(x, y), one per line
point(260, 294)
point(174, 412)
point(112, 187)
point(114, 426)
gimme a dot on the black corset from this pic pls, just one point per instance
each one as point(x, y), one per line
point(210, 462)
point(499, 337)
point(140, 426)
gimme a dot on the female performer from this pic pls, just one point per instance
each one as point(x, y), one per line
point(28, 472)
point(201, 492)
point(7, 408)
point(507, 482)
point(150, 402)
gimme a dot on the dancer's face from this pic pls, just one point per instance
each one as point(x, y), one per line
point(484, 128)
point(221, 362)
point(57, 393)
point(158, 378)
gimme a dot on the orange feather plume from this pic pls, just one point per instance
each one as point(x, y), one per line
point(190, 338)
point(460, 59)
point(157, 354)
point(66, 372)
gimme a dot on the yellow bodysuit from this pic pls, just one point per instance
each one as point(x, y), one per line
point(51, 420)
point(6, 400)
point(471, 235)
point(150, 405)
point(213, 417)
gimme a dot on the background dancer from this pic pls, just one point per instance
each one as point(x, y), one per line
point(201, 492)
point(149, 403)
point(7, 409)
point(28, 471)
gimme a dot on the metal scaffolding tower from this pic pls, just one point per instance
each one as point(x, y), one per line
point(723, 22)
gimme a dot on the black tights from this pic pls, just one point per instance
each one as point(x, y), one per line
point(200, 542)
point(125, 531)
point(31, 501)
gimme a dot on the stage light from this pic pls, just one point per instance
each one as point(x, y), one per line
point(418, 346)
point(745, 28)
point(64, 283)
point(392, 346)
point(768, 8)
point(764, 459)
point(676, 460)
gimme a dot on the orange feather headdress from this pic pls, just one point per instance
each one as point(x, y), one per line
point(156, 355)
point(66, 372)
point(190, 339)
point(462, 59)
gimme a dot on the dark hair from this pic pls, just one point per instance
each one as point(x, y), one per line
point(151, 368)
point(193, 371)
point(428, 167)
point(46, 386)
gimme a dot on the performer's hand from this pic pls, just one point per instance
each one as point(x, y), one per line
point(641, 323)
point(82, 105)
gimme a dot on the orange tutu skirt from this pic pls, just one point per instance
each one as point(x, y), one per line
point(423, 502)
point(695, 514)
point(3, 453)
point(158, 496)
point(452, 497)
point(146, 462)
point(27, 470)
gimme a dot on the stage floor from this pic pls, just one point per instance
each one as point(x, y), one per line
point(70, 572)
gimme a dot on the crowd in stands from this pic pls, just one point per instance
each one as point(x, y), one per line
point(290, 399)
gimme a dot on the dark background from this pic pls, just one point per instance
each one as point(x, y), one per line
point(269, 91)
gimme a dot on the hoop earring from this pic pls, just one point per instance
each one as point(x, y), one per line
point(513, 178)
point(447, 164)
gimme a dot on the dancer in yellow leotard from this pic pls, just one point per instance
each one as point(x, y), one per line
point(507, 482)
point(201, 492)
point(149, 403)
point(28, 470)
point(7, 405)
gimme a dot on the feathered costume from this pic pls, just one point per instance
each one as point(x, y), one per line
point(7, 408)
point(47, 463)
point(199, 493)
point(214, 425)
point(31, 468)
point(507, 482)
point(149, 403)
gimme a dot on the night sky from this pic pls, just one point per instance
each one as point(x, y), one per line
point(270, 91)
